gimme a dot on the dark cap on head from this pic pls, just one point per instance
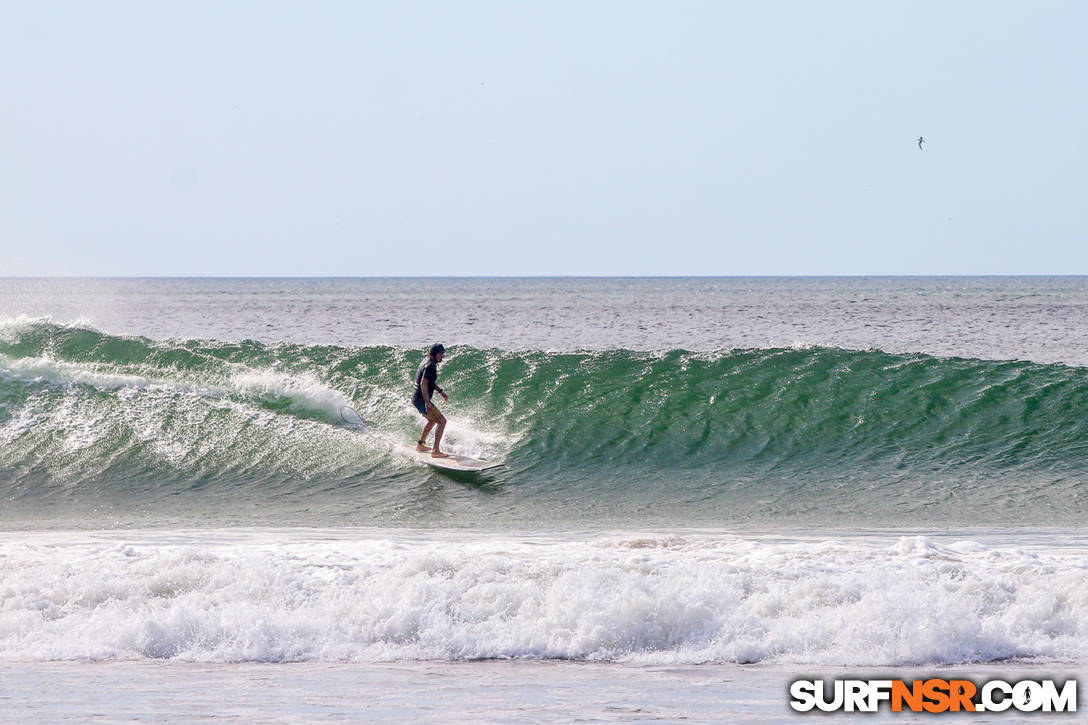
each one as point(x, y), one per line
point(437, 348)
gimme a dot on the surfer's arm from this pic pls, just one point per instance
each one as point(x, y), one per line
point(425, 388)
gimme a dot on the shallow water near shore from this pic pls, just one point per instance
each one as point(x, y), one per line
point(461, 692)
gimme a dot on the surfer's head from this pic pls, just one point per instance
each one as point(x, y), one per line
point(437, 349)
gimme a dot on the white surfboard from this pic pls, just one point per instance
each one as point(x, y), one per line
point(454, 462)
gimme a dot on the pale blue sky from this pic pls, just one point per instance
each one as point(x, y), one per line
point(509, 138)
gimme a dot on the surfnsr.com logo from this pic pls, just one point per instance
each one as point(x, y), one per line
point(933, 695)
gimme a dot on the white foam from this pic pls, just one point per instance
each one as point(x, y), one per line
point(467, 436)
point(99, 376)
point(303, 391)
point(25, 419)
point(183, 423)
point(352, 596)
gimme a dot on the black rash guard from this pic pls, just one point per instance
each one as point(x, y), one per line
point(427, 369)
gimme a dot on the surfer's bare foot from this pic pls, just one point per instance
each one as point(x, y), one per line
point(420, 448)
point(439, 454)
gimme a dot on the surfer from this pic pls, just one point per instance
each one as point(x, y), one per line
point(426, 386)
point(920, 142)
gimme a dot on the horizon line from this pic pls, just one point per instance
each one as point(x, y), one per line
point(544, 276)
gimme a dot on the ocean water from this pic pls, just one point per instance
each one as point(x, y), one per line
point(712, 486)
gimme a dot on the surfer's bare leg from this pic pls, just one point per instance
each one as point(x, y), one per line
point(422, 444)
point(441, 426)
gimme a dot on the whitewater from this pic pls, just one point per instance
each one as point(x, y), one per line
point(736, 479)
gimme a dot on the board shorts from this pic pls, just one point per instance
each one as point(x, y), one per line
point(433, 416)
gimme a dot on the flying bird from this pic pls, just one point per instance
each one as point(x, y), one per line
point(920, 142)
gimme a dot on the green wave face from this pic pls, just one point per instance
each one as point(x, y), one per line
point(809, 436)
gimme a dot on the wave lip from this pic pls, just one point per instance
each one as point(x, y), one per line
point(279, 597)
